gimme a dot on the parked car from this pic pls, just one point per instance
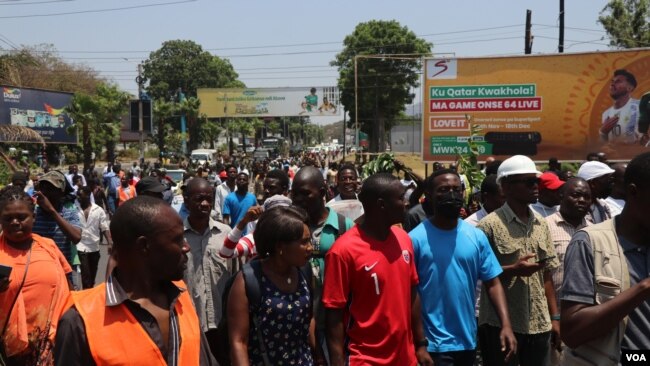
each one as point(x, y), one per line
point(261, 154)
point(295, 149)
point(201, 156)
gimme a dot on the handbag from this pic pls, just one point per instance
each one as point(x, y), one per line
point(11, 308)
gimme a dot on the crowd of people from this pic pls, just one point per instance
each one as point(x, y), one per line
point(301, 262)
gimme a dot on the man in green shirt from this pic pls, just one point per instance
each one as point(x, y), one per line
point(308, 192)
point(521, 241)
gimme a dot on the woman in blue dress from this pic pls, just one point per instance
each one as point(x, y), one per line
point(284, 317)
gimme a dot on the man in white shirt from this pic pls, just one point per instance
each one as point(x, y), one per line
point(616, 199)
point(346, 202)
point(619, 122)
point(548, 201)
point(94, 224)
point(73, 170)
point(224, 189)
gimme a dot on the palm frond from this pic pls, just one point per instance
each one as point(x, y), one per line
point(18, 134)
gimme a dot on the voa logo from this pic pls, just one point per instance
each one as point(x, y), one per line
point(635, 357)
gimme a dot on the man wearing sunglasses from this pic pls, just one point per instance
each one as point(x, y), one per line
point(521, 241)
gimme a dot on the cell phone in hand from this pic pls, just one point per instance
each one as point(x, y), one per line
point(5, 271)
point(542, 260)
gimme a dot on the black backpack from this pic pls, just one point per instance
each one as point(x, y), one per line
point(252, 273)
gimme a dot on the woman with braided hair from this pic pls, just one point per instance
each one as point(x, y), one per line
point(33, 284)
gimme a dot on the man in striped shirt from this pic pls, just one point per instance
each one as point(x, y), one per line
point(57, 216)
point(574, 206)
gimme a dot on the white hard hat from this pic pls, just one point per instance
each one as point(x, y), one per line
point(518, 164)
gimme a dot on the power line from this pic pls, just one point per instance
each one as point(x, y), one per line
point(6, 40)
point(596, 41)
point(301, 44)
point(14, 2)
point(97, 10)
point(310, 52)
point(574, 28)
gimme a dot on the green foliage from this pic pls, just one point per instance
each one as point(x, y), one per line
point(273, 127)
point(210, 131)
point(313, 134)
point(626, 23)
point(384, 84)
point(98, 119)
point(468, 163)
point(184, 64)
point(384, 163)
point(5, 172)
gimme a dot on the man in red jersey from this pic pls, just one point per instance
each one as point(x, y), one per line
point(369, 288)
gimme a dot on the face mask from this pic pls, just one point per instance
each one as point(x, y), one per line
point(449, 205)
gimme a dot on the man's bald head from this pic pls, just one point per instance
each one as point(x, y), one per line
point(309, 175)
point(195, 184)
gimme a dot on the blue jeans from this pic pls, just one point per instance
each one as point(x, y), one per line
point(111, 202)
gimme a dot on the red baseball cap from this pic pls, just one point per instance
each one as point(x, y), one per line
point(223, 174)
point(550, 181)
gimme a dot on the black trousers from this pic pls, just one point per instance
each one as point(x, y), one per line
point(532, 349)
point(89, 262)
point(455, 358)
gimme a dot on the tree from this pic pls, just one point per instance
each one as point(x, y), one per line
point(627, 23)
point(185, 65)
point(273, 127)
point(210, 130)
point(40, 67)
point(384, 84)
point(163, 111)
point(313, 134)
point(98, 116)
point(258, 127)
point(190, 107)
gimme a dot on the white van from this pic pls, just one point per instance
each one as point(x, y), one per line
point(201, 156)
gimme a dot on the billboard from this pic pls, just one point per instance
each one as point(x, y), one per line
point(560, 105)
point(270, 102)
point(39, 110)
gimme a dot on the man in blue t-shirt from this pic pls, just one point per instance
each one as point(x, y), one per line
point(237, 203)
point(450, 256)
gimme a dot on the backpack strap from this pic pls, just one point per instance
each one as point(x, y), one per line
point(252, 273)
point(342, 228)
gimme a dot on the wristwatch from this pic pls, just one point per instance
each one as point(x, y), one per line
point(422, 343)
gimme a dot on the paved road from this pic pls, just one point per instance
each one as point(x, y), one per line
point(101, 268)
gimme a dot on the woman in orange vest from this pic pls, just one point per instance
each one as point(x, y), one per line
point(142, 314)
point(126, 190)
point(33, 284)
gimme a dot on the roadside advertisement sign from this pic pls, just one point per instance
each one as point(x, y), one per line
point(40, 110)
point(560, 105)
point(269, 102)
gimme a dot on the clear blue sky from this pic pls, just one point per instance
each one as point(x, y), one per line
point(114, 42)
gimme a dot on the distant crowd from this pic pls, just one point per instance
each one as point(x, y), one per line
point(300, 261)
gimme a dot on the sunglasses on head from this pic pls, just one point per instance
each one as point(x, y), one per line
point(528, 182)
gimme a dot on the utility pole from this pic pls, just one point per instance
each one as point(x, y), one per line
point(344, 128)
point(528, 46)
point(560, 46)
point(139, 80)
point(181, 98)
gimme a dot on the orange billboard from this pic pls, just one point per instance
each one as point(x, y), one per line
point(560, 105)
